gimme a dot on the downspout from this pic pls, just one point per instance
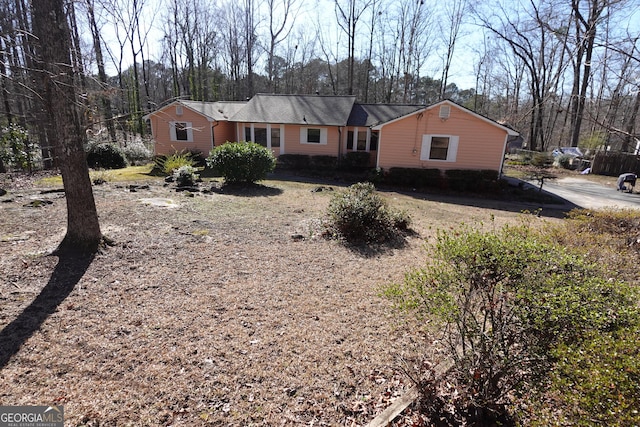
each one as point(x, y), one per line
point(379, 147)
point(213, 139)
point(504, 152)
point(339, 143)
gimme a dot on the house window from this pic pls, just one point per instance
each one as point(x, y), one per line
point(275, 137)
point(260, 136)
point(362, 140)
point(313, 136)
point(439, 147)
point(181, 131)
point(247, 133)
point(350, 140)
point(373, 141)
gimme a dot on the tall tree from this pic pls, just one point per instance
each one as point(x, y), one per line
point(102, 74)
point(454, 11)
point(348, 15)
point(56, 72)
point(585, 27)
point(279, 30)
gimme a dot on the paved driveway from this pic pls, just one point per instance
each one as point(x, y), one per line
point(591, 195)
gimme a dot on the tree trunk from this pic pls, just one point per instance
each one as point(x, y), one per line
point(55, 69)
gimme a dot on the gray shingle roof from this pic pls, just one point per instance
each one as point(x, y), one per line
point(220, 110)
point(297, 109)
point(374, 114)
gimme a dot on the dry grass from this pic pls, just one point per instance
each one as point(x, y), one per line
point(226, 310)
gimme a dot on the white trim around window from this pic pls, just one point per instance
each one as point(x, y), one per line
point(185, 129)
point(445, 148)
point(313, 135)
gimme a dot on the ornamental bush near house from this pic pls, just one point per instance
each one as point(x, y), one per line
point(185, 176)
point(242, 162)
point(471, 180)
point(359, 215)
point(137, 153)
point(510, 302)
point(414, 178)
point(105, 156)
point(324, 163)
point(294, 161)
point(168, 164)
point(355, 160)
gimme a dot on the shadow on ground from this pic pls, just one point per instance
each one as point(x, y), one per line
point(515, 196)
point(64, 278)
point(246, 190)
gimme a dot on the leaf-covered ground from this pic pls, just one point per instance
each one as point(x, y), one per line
point(223, 308)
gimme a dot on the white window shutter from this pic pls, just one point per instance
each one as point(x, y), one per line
point(172, 131)
point(426, 147)
point(452, 152)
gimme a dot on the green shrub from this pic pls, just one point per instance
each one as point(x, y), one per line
point(137, 153)
point(599, 380)
point(242, 162)
point(16, 148)
point(507, 300)
point(471, 180)
point(106, 156)
point(185, 176)
point(294, 161)
point(359, 215)
point(168, 164)
point(324, 162)
point(541, 160)
point(565, 161)
point(355, 160)
point(413, 177)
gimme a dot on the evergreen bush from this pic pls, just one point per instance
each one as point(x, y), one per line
point(414, 178)
point(242, 162)
point(359, 215)
point(294, 161)
point(511, 301)
point(185, 176)
point(137, 153)
point(355, 160)
point(106, 156)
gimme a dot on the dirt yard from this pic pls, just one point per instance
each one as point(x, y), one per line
point(211, 309)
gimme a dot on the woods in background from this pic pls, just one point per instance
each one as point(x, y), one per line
point(561, 72)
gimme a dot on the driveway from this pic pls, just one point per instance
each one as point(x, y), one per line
point(590, 195)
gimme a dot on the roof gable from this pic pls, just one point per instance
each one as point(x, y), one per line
point(507, 129)
point(297, 109)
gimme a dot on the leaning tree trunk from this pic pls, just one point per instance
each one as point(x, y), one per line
point(53, 62)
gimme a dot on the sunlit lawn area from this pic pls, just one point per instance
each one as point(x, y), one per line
point(128, 174)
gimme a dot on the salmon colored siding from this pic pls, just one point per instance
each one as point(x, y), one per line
point(161, 129)
point(480, 145)
point(292, 144)
point(224, 132)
